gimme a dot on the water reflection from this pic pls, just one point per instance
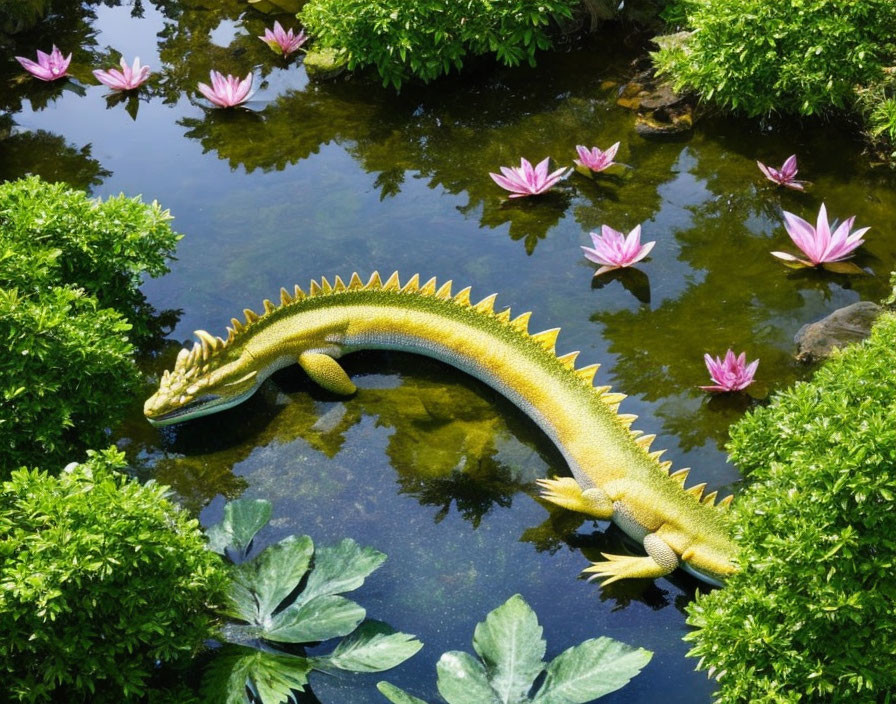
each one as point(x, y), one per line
point(48, 156)
point(451, 441)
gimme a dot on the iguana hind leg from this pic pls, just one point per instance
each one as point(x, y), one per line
point(659, 561)
point(566, 492)
point(326, 372)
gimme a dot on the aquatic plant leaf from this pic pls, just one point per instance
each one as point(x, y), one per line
point(510, 644)
point(271, 677)
point(323, 617)
point(374, 647)
point(843, 268)
point(261, 584)
point(340, 568)
point(463, 680)
point(397, 695)
point(243, 518)
point(590, 670)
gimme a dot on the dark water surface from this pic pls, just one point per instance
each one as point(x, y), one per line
point(426, 464)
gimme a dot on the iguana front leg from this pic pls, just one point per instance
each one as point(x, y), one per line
point(566, 492)
point(326, 372)
point(659, 561)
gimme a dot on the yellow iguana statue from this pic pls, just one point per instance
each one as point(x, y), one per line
point(616, 476)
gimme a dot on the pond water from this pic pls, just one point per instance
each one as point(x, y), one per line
point(424, 463)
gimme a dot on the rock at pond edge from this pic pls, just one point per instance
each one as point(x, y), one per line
point(816, 341)
point(324, 63)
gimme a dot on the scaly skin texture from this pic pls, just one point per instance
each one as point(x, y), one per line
point(616, 477)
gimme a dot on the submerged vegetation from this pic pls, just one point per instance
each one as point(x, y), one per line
point(812, 618)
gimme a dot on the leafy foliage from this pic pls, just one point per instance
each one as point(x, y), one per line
point(811, 618)
point(428, 38)
point(51, 234)
point(100, 578)
point(18, 15)
point(760, 56)
point(65, 375)
point(510, 650)
point(69, 310)
point(290, 594)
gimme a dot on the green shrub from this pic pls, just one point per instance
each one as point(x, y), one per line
point(810, 617)
point(429, 38)
point(66, 373)
point(761, 56)
point(51, 234)
point(100, 578)
point(70, 309)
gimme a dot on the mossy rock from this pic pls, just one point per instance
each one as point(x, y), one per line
point(324, 63)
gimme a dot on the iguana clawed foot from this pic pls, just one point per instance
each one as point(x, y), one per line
point(659, 561)
point(624, 567)
point(566, 492)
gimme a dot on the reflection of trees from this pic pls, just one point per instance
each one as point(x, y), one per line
point(734, 295)
point(187, 49)
point(69, 26)
point(450, 442)
point(451, 143)
point(49, 156)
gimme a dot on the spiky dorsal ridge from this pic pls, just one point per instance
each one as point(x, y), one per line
point(209, 345)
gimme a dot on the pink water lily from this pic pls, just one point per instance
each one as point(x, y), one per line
point(526, 180)
point(594, 159)
point(785, 176)
point(613, 250)
point(283, 42)
point(227, 91)
point(48, 67)
point(129, 78)
point(732, 373)
point(818, 243)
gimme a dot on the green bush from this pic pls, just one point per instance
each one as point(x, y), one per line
point(762, 56)
point(70, 309)
point(100, 579)
point(51, 234)
point(66, 374)
point(810, 617)
point(429, 38)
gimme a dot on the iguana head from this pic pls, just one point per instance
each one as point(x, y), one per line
point(206, 379)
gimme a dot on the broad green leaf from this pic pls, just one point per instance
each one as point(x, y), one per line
point(322, 618)
point(374, 647)
point(844, 268)
point(462, 680)
point(510, 644)
point(340, 568)
point(590, 670)
point(243, 518)
point(396, 695)
point(272, 677)
point(258, 586)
